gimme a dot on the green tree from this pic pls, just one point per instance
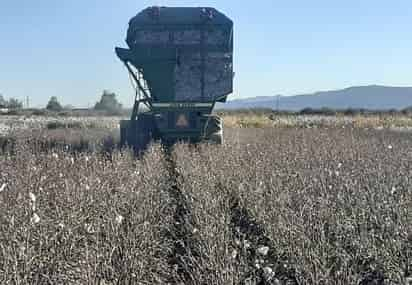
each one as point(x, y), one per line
point(407, 111)
point(108, 102)
point(2, 102)
point(14, 103)
point(54, 105)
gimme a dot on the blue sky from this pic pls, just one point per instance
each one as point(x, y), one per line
point(65, 48)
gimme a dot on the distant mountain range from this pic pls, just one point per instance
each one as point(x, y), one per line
point(373, 97)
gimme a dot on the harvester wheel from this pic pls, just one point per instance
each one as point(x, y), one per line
point(124, 125)
point(137, 133)
point(214, 130)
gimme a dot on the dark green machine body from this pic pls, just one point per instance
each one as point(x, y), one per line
point(181, 60)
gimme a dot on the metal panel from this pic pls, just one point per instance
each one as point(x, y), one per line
point(179, 16)
point(186, 37)
point(213, 36)
point(216, 37)
point(218, 75)
point(187, 77)
point(150, 37)
point(185, 54)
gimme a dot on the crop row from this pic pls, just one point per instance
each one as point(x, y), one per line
point(270, 206)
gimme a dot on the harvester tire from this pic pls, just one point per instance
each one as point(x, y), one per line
point(124, 125)
point(214, 130)
point(137, 133)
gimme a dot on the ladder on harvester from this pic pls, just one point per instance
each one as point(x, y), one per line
point(143, 94)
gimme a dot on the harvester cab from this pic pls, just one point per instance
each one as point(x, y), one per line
point(181, 62)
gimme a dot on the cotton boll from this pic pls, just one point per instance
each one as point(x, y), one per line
point(119, 219)
point(32, 197)
point(263, 250)
point(35, 219)
point(3, 187)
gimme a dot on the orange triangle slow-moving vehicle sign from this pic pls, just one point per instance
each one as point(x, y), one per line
point(181, 121)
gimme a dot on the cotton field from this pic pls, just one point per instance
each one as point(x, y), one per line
point(273, 205)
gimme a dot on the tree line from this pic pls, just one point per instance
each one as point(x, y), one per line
point(12, 103)
point(108, 102)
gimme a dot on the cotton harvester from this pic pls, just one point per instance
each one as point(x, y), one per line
point(181, 63)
